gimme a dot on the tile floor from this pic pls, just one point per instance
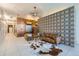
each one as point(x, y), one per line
point(13, 46)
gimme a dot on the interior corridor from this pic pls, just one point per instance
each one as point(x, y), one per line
point(27, 31)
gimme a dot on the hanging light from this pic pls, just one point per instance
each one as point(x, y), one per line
point(6, 17)
point(36, 12)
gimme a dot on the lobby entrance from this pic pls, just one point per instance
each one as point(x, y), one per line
point(10, 29)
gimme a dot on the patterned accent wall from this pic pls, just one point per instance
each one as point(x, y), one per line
point(61, 23)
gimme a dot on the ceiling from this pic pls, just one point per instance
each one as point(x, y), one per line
point(25, 8)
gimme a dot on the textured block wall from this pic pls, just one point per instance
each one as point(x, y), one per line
point(62, 23)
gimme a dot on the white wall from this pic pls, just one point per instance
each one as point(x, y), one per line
point(2, 31)
point(77, 23)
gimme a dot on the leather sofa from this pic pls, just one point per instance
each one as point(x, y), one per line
point(48, 37)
